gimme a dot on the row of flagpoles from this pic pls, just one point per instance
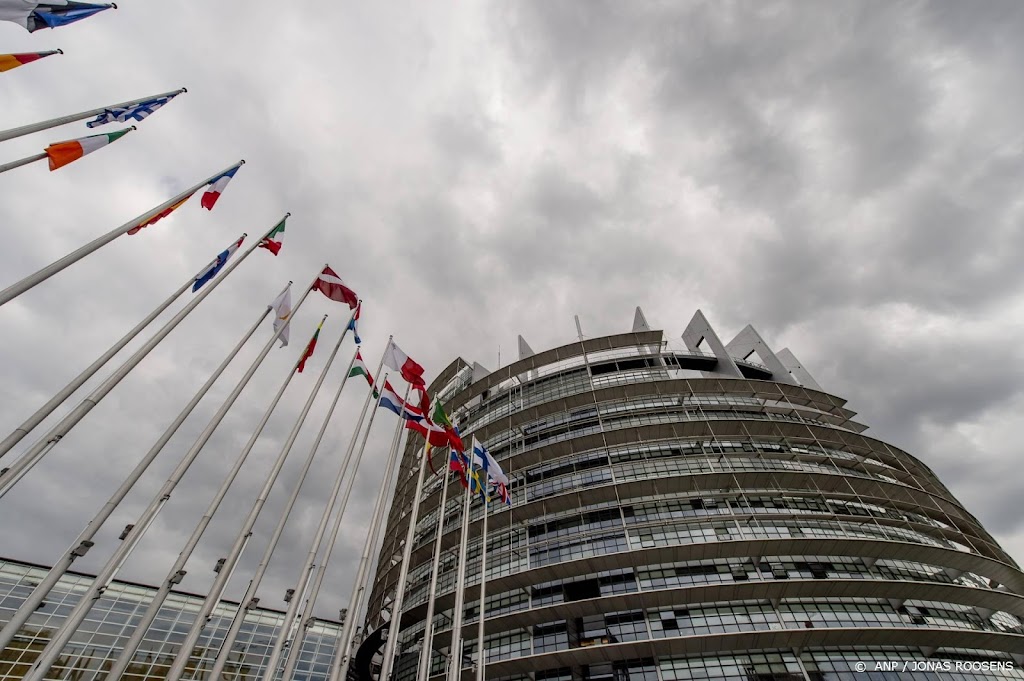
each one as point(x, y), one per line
point(479, 473)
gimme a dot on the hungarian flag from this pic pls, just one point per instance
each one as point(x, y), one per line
point(273, 241)
point(32, 15)
point(217, 187)
point(331, 285)
point(309, 348)
point(216, 266)
point(13, 61)
point(63, 153)
point(397, 360)
point(160, 216)
point(359, 369)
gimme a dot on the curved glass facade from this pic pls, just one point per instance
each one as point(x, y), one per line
point(679, 514)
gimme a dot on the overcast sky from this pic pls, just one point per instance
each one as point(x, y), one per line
point(843, 175)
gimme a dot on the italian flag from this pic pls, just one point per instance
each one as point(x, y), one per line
point(309, 348)
point(63, 153)
point(359, 369)
point(273, 241)
point(13, 61)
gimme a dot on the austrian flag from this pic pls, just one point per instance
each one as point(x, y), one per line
point(331, 285)
point(217, 187)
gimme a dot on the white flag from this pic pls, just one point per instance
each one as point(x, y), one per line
point(282, 307)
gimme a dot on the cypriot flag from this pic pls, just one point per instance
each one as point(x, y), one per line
point(282, 307)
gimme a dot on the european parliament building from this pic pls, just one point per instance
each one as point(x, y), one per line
point(698, 510)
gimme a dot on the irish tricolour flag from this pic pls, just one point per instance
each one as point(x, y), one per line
point(63, 153)
point(274, 240)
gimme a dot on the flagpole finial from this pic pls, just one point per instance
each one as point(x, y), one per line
point(290, 282)
point(242, 162)
point(133, 128)
point(114, 5)
point(184, 89)
point(288, 214)
point(245, 234)
point(60, 51)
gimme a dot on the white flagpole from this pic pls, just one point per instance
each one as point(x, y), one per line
point(344, 475)
point(177, 571)
point(403, 572)
point(35, 419)
point(84, 541)
point(245, 532)
point(306, 619)
point(22, 162)
point(455, 659)
point(31, 159)
point(71, 118)
point(428, 632)
point(19, 468)
point(107, 573)
point(16, 289)
point(248, 600)
point(343, 653)
point(481, 651)
point(10, 476)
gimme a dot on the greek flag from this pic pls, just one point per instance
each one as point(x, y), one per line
point(137, 111)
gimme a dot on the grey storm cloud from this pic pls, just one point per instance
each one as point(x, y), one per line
point(842, 175)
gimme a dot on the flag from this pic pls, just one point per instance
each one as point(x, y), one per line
point(501, 490)
point(352, 322)
point(390, 400)
point(457, 463)
point(488, 463)
point(159, 216)
point(309, 348)
point(282, 307)
point(217, 187)
point(33, 16)
point(397, 360)
point(13, 61)
point(331, 285)
point(442, 420)
point(137, 111)
point(359, 369)
point(216, 266)
point(273, 241)
point(63, 153)
point(435, 435)
point(420, 397)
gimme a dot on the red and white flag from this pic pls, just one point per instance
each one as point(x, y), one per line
point(397, 360)
point(331, 285)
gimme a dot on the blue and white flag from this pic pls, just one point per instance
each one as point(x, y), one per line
point(483, 459)
point(216, 266)
point(33, 16)
point(138, 111)
point(352, 323)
